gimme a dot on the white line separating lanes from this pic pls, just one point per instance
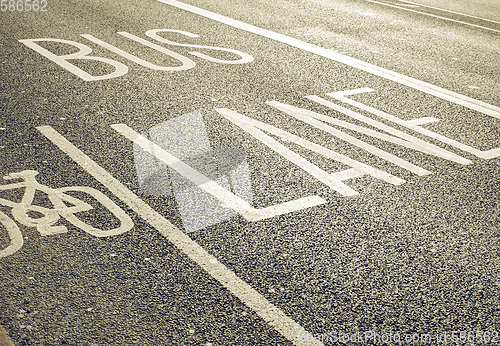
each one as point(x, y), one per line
point(434, 15)
point(449, 11)
point(428, 88)
point(274, 316)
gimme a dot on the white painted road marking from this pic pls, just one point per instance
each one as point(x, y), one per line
point(449, 11)
point(406, 140)
point(59, 199)
point(432, 15)
point(186, 63)
point(407, 5)
point(244, 57)
point(248, 295)
point(83, 53)
point(121, 69)
point(428, 88)
point(229, 199)
point(15, 236)
point(410, 124)
point(334, 181)
point(317, 120)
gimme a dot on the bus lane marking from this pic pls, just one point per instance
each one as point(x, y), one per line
point(82, 53)
point(274, 316)
point(121, 69)
point(428, 88)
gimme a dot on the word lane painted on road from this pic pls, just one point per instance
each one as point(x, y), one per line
point(336, 180)
point(384, 132)
point(120, 69)
point(375, 126)
point(389, 134)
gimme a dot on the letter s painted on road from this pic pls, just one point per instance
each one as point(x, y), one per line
point(244, 58)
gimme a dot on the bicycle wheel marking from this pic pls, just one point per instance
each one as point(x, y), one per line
point(46, 224)
point(16, 238)
point(126, 223)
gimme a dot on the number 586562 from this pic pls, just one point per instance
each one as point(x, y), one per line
point(23, 5)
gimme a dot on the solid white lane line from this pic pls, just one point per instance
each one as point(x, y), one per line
point(445, 94)
point(206, 184)
point(248, 295)
point(433, 15)
point(449, 11)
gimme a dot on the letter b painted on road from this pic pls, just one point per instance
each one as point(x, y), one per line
point(82, 54)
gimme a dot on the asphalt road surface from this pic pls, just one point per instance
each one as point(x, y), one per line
point(249, 172)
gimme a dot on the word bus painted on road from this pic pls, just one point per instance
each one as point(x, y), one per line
point(120, 69)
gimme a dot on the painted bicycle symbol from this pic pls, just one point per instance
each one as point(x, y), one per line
point(63, 205)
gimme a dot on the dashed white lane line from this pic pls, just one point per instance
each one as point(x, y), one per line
point(428, 88)
point(248, 295)
point(432, 15)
